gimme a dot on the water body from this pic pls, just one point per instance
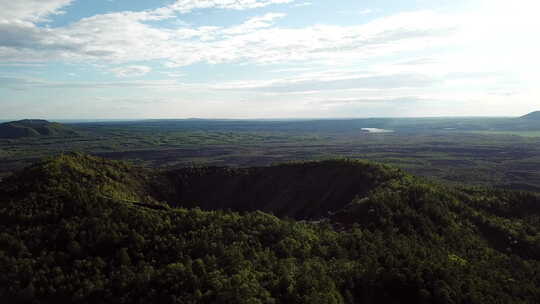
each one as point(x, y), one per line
point(376, 130)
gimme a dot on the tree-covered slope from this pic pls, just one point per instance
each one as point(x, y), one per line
point(80, 229)
point(301, 190)
point(34, 127)
point(532, 116)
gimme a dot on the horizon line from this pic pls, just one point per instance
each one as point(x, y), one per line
point(2, 120)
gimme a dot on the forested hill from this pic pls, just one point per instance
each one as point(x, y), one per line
point(34, 127)
point(80, 229)
point(532, 116)
point(302, 190)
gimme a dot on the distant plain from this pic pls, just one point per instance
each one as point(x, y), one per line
point(501, 152)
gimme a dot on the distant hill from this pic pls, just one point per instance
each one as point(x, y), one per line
point(532, 116)
point(82, 229)
point(34, 127)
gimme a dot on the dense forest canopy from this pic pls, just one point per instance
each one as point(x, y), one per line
point(34, 127)
point(82, 229)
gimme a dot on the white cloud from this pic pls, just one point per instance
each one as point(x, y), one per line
point(301, 4)
point(316, 82)
point(331, 82)
point(263, 44)
point(145, 99)
point(174, 74)
point(370, 100)
point(186, 6)
point(365, 11)
point(18, 82)
point(131, 71)
point(390, 59)
point(30, 10)
point(125, 37)
point(253, 24)
point(39, 10)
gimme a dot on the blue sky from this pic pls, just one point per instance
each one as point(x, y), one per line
point(106, 59)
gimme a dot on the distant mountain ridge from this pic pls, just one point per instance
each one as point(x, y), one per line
point(532, 116)
point(33, 128)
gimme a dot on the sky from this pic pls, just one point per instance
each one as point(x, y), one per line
point(136, 59)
